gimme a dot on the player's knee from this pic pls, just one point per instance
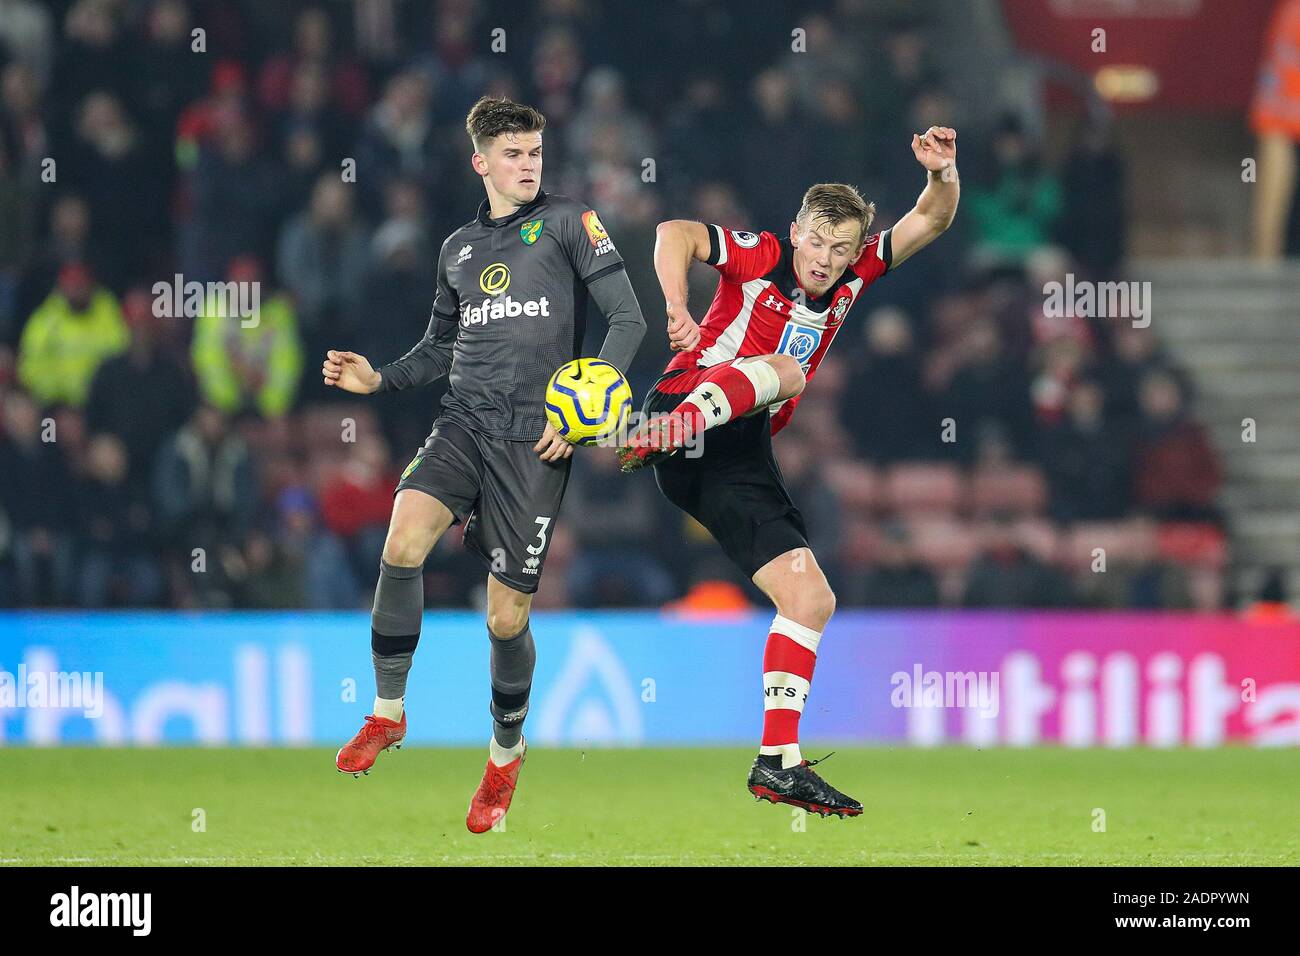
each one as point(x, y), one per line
point(508, 614)
point(828, 606)
point(811, 606)
point(791, 374)
point(821, 605)
point(407, 547)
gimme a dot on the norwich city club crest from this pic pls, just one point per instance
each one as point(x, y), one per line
point(530, 231)
point(415, 463)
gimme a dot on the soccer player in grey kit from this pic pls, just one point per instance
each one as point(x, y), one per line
point(512, 295)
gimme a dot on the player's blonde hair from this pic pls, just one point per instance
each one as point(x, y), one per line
point(493, 115)
point(834, 203)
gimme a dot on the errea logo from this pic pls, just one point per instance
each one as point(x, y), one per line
point(466, 251)
point(531, 565)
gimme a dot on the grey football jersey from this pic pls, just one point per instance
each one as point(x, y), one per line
point(510, 309)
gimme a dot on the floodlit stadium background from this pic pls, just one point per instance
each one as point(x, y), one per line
point(1101, 510)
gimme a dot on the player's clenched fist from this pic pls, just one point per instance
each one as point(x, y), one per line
point(350, 372)
point(683, 333)
point(936, 148)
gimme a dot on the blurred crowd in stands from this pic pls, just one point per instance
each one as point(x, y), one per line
point(959, 447)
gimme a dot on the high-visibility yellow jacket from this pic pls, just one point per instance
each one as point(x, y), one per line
point(61, 348)
point(268, 344)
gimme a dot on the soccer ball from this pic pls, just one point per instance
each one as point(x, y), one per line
point(587, 400)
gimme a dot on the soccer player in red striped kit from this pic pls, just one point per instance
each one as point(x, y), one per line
point(778, 306)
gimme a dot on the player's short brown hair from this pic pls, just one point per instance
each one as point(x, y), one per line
point(834, 203)
point(493, 115)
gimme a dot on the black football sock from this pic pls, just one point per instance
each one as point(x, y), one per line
point(395, 627)
point(513, 659)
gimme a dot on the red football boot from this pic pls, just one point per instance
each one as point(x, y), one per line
point(358, 755)
point(492, 798)
point(655, 441)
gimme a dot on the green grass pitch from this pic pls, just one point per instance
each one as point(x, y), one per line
point(648, 807)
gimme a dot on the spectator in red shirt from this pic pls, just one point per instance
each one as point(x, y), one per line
point(1176, 470)
point(313, 42)
point(356, 501)
point(200, 122)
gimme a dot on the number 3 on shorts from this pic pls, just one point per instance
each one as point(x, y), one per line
point(540, 546)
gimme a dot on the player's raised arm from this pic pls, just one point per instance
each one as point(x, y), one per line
point(678, 243)
point(936, 150)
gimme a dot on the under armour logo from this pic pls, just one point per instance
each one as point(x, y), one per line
point(717, 409)
point(772, 302)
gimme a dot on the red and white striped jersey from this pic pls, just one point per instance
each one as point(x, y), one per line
point(760, 308)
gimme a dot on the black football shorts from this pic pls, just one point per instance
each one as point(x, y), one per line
point(507, 496)
point(734, 488)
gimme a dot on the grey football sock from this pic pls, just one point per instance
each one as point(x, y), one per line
point(512, 664)
point(395, 627)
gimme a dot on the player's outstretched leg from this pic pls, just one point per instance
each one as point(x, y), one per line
point(513, 658)
point(418, 521)
point(804, 603)
point(725, 392)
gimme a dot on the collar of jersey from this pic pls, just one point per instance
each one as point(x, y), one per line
point(524, 210)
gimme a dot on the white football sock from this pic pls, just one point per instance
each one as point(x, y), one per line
point(390, 709)
point(504, 755)
point(790, 754)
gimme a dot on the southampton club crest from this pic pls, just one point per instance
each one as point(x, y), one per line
point(838, 310)
point(530, 231)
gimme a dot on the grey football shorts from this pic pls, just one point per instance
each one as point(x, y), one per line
point(506, 495)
